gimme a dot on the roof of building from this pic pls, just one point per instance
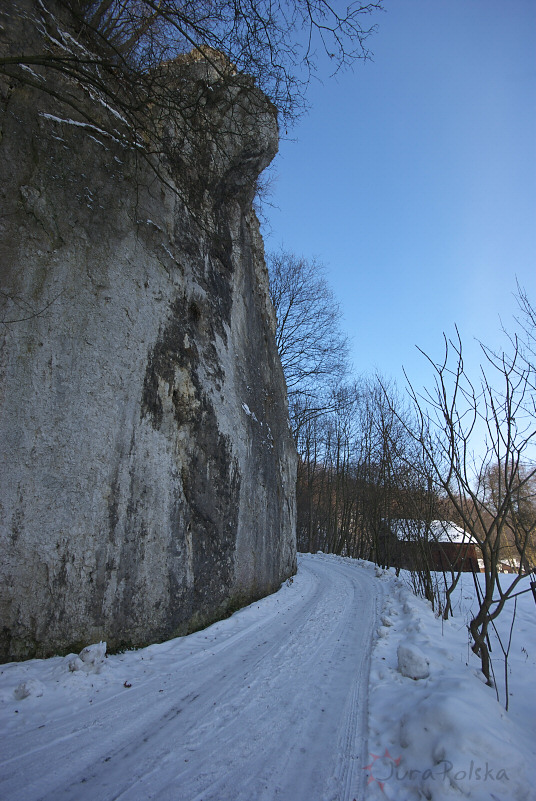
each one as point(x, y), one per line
point(436, 531)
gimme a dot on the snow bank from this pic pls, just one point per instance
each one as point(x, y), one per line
point(436, 730)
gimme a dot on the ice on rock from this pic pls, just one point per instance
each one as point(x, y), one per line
point(412, 663)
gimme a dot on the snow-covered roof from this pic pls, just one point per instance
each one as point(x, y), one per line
point(446, 531)
point(437, 531)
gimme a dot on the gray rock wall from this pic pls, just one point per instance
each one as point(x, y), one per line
point(147, 467)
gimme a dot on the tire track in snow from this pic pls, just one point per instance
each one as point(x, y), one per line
point(268, 704)
point(353, 743)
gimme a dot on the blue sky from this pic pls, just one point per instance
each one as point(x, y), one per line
point(413, 179)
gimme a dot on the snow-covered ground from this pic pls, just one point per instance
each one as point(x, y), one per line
point(445, 736)
point(274, 703)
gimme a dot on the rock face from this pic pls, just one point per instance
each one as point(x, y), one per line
point(147, 467)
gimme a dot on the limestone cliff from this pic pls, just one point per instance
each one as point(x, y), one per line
point(147, 467)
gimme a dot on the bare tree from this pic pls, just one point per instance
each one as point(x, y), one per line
point(16, 309)
point(361, 486)
point(128, 55)
point(172, 82)
point(450, 416)
point(521, 357)
point(311, 344)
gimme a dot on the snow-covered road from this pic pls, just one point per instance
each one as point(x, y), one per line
point(271, 703)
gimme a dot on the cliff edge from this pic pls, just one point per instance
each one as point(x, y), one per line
point(148, 472)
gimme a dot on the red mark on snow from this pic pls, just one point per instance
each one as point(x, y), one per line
point(386, 758)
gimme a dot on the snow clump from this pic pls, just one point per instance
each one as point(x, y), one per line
point(27, 688)
point(412, 663)
point(74, 662)
point(90, 658)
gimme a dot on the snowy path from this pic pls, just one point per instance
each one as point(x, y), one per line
point(271, 703)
